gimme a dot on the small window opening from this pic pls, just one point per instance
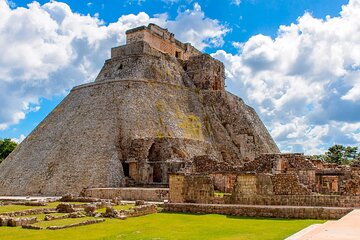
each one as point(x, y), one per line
point(178, 54)
point(120, 67)
point(216, 85)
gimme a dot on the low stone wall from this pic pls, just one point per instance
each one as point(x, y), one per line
point(260, 211)
point(71, 198)
point(15, 222)
point(147, 194)
point(29, 212)
point(87, 222)
point(68, 215)
point(25, 203)
point(132, 212)
point(141, 211)
point(298, 200)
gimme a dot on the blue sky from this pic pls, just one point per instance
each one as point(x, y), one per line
point(296, 62)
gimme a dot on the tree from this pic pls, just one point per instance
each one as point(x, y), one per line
point(351, 153)
point(341, 155)
point(6, 147)
point(335, 154)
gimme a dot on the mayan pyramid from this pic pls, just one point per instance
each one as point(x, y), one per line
point(156, 105)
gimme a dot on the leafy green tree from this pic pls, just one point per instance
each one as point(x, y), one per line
point(335, 154)
point(341, 155)
point(6, 147)
point(351, 153)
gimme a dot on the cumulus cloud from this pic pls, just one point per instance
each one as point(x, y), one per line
point(305, 82)
point(200, 31)
point(47, 49)
point(19, 140)
point(236, 2)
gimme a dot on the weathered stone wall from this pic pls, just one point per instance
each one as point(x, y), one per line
point(147, 194)
point(199, 189)
point(162, 40)
point(223, 182)
point(246, 185)
point(260, 211)
point(191, 188)
point(238, 122)
point(288, 184)
point(15, 222)
point(206, 72)
point(298, 200)
point(349, 182)
point(255, 184)
point(141, 211)
point(140, 61)
point(177, 190)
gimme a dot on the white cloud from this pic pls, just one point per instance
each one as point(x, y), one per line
point(236, 2)
point(305, 83)
point(20, 139)
point(200, 30)
point(47, 49)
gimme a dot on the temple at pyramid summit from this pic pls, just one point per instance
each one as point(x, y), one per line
point(157, 123)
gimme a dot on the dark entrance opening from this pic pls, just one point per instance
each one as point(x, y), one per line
point(178, 54)
point(126, 169)
point(158, 152)
point(157, 173)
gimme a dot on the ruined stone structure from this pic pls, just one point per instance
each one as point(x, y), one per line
point(270, 179)
point(158, 106)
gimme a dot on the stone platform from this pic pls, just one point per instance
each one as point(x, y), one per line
point(268, 211)
point(346, 228)
point(132, 194)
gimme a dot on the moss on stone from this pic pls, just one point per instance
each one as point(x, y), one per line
point(190, 124)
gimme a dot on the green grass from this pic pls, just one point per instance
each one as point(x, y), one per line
point(221, 194)
point(169, 226)
point(119, 207)
point(62, 222)
point(13, 208)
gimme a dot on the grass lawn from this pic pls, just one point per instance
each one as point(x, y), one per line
point(119, 207)
point(62, 222)
point(170, 226)
point(13, 208)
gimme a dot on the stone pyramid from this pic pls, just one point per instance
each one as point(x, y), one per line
point(155, 106)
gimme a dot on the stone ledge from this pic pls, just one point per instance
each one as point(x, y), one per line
point(260, 210)
point(147, 194)
point(123, 80)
